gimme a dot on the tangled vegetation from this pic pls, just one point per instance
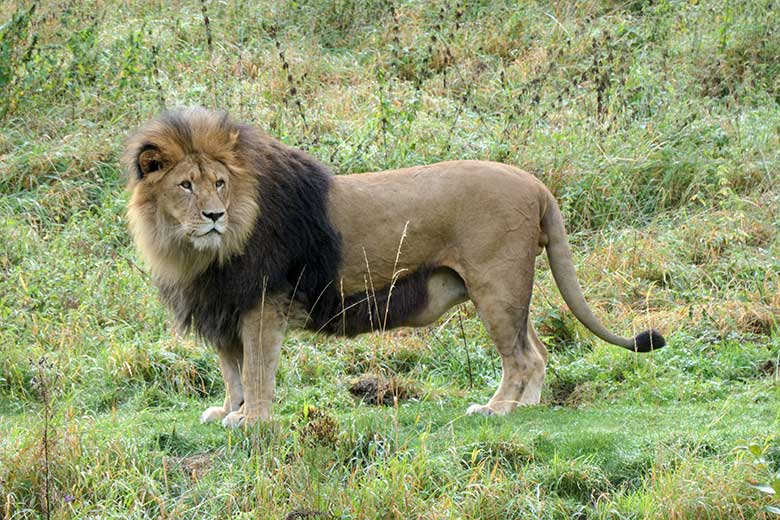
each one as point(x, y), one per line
point(655, 122)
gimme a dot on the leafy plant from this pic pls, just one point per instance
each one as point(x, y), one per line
point(766, 471)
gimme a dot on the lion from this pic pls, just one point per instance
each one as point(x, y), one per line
point(246, 237)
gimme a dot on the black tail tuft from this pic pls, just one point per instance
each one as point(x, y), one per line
point(648, 340)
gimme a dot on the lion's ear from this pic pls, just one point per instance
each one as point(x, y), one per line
point(149, 160)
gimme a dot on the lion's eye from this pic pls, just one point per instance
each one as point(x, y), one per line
point(220, 183)
point(187, 185)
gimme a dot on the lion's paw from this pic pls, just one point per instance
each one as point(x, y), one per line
point(234, 419)
point(215, 413)
point(478, 409)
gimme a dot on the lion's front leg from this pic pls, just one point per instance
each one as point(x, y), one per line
point(262, 332)
point(230, 364)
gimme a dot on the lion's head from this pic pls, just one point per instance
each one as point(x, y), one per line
point(193, 191)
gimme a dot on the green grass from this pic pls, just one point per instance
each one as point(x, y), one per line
point(656, 124)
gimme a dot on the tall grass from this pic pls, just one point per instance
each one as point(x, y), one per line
point(657, 126)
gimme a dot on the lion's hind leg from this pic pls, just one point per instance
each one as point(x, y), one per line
point(230, 364)
point(503, 306)
point(535, 359)
point(522, 376)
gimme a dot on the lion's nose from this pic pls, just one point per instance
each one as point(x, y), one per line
point(215, 216)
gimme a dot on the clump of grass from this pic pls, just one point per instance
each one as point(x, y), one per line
point(363, 447)
point(576, 479)
point(196, 466)
point(303, 514)
point(376, 390)
point(693, 488)
point(317, 427)
point(510, 455)
point(172, 442)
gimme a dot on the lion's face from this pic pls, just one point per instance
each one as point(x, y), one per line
point(194, 196)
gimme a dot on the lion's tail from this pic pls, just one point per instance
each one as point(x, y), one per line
point(562, 267)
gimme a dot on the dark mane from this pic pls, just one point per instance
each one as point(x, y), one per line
point(293, 252)
point(292, 242)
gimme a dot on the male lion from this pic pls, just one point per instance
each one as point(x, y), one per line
point(246, 236)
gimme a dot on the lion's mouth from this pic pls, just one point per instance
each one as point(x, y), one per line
point(212, 231)
point(210, 240)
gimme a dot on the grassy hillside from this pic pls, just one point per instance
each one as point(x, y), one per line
point(655, 123)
